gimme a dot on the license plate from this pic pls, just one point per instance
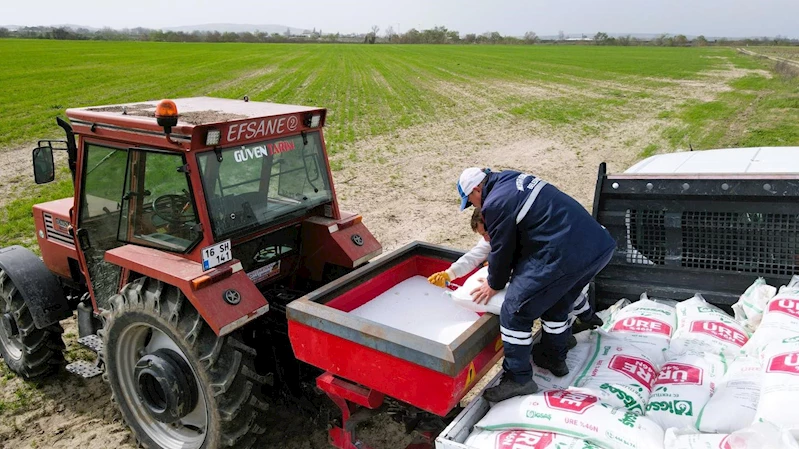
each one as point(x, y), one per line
point(216, 254)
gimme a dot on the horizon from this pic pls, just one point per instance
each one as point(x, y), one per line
point(206, 27)
point(722, 18)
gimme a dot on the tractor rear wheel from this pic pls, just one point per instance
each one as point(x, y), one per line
point(28, 351)
point(176, 382)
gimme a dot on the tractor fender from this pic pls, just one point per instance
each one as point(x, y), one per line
point(345, 243)
point(39, 287)
point(225, 305)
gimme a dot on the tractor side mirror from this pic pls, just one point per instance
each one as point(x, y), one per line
point(43, 165)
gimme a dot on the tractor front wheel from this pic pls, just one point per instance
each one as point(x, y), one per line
point(177, 383)
point(28, 351)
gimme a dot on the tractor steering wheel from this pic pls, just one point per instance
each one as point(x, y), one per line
point(173, 208)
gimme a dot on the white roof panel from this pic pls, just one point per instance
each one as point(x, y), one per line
point(776, 160)
point(728, 161)
point(662, 163)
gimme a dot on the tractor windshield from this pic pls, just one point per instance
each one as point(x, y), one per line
point(260, 184)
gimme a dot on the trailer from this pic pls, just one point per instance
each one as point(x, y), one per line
point(707, 222)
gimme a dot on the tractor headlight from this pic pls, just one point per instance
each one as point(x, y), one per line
point(312, 121)
point(212, 138)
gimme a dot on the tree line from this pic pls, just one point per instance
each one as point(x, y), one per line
point(435, 35)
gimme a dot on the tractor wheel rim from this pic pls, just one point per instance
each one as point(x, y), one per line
point(12, 344)
point(190, 431)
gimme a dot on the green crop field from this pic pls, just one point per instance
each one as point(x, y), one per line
point(706, 97)
point(402, 121)
point(368, 89)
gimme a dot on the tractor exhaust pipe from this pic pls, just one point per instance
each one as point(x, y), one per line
point(72, 148)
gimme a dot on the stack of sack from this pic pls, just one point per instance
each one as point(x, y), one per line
point(776, 345)
point(667, 375)
point(705, 339)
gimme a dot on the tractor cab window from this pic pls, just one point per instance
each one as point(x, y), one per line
point(98, 220)
point(262, 184)
point(157, 205)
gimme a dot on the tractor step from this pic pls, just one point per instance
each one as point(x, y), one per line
point(93, 342)
point(85, 369)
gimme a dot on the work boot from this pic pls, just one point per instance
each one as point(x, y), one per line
point(591, 323)
point(558, 368)
point(572, 342)
point(509, 388)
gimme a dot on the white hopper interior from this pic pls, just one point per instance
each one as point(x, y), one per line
point(420, 308)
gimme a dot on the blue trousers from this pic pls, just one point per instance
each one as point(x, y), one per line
point(550, 300)
point(581, 307)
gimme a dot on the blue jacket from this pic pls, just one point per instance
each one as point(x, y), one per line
point(555, 236)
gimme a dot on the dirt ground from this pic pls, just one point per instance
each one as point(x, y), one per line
point(404, 186)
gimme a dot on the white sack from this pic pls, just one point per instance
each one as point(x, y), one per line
point(750, 306)
point(779, 392)
point(608, 314)
point(462, 296)
point(576, 415)
point(757, 436)
point(703, 327)
point(619, 373)
point(689, 439)
point(575, 360)
point(780, 321)
point(732, 407)
point(647, 324)
point(523, 439)
point(682, 389)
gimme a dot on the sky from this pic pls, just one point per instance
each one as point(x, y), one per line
point(729, 18)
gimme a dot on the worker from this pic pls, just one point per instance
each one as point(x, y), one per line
point(581, 309)
point(552, 247)
point(469, 261)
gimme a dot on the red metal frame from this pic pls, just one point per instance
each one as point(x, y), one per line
point(425, 388)
point(408, 382)
point(81, 142)
point(349, 398)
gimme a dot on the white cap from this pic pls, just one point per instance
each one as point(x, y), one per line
point(470, 178)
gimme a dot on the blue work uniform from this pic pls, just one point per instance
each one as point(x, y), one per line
point(552, 247)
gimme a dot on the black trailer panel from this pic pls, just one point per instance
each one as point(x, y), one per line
point(681, 235)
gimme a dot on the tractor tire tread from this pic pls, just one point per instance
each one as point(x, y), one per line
point(226, 362)
point(42, 349)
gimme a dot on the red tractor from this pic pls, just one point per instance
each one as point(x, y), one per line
point(193, 224)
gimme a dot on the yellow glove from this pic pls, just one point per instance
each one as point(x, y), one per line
point(439, 279)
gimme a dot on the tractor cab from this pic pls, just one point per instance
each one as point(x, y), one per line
point(230, 185)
